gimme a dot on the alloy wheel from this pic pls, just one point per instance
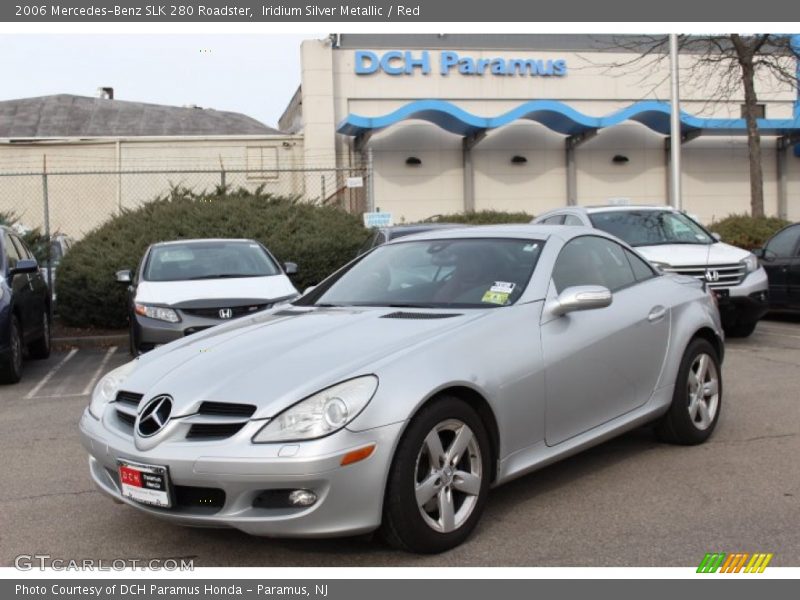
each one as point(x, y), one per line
point(703, 384)
point(448, 475)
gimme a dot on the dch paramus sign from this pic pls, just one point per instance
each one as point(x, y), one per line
point(410, 62)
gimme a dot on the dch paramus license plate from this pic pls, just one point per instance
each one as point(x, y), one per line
point(148, 484)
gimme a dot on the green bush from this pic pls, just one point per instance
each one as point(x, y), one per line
point(483, 217)
point(747, 232)
point(318, 239)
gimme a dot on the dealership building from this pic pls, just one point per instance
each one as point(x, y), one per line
point(447, 123)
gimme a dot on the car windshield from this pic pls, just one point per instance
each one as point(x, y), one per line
point(462, 273)
point(208, 260)
point(651, 227)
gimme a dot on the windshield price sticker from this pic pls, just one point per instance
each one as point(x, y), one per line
point(491, 297)
point(503, 287)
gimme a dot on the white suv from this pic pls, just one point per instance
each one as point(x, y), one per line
point(675, 243)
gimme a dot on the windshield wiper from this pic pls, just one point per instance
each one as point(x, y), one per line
point(676, 242)
point(414, 305)
point(222, 276)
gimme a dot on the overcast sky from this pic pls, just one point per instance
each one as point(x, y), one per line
point(252, 74)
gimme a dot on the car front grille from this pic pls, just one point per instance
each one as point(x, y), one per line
point(236, 311)
point(219, 420)
point(213, 431)
point(726, 275)
point(127, 405)
point(212, 421)
point(227, 409)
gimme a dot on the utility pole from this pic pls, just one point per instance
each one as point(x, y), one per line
point(675, 125)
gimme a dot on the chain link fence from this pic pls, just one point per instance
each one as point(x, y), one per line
point(73, 203)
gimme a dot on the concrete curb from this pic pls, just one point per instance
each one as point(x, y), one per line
point(91, 341)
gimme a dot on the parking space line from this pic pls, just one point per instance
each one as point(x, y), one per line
point(50, 374)
point(99, 371)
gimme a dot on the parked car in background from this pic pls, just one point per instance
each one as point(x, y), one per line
point(186, 286)
point(382, 235)
point(375, 401)
point(780, 258)
point(24, 307)
point(59, 246)
point(675, 243)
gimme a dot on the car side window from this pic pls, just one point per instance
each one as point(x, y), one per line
point(22, 249)
point(591, 260)
point(554, 220)
point(784, 243)
point(12, 253)
point(641, 269)
point(572, 220)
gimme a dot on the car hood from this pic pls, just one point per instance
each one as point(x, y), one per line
point(275, 358)
point(686, 255)
point(176, 292)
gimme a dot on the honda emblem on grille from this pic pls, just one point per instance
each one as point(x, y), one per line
point(225, 313)
point(712, 275)
point(154, 416)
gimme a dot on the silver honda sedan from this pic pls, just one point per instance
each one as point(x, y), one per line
point(397, 392)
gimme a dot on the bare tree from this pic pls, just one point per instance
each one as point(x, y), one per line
point(732, 63)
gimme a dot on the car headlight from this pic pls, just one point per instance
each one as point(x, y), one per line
point(162, 313)
point(106, 389)
point(750, 263)
point(321, 414)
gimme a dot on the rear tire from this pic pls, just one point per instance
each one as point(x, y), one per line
point(439, 480)
point(40, 349)
point(11, 363)
point(697, 400)
point(742, 329)
point(132, 343)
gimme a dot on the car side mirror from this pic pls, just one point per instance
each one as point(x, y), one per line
point(124, 276)
point(290, 268)
point(759, 253)
point(581, 297)
point(309, 289)
point(716, 236)
point(25, 265)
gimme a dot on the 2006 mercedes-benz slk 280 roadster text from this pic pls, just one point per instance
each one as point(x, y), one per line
point(395, 393)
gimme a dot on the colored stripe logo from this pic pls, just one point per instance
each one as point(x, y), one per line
point(735, 562)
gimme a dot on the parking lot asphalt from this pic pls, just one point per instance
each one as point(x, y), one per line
point(629, 502)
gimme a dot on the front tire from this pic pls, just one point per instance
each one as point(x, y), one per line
point(40, 349)
point(11, 363)
point(439, 479)
point(133, 344)
point(742, 329)
point(697, 400)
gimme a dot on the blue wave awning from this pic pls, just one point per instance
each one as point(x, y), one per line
point(559, 117)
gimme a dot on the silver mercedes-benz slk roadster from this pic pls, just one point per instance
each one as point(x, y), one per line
point(404, 386)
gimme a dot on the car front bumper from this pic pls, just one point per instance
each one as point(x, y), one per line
point(349, 498)
point(746, 302)
point(151, 333)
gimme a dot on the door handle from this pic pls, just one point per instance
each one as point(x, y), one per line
point(656, 314)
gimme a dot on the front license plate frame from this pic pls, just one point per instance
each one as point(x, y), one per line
point(145, 484)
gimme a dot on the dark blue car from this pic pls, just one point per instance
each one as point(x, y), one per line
point(24, 307)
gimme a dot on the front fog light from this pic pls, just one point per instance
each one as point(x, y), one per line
point(302, 497)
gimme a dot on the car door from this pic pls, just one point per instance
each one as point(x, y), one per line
point(19, 283)
point(780, 255)
point(602, 363)
point(793, 275)
point(37, 284)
